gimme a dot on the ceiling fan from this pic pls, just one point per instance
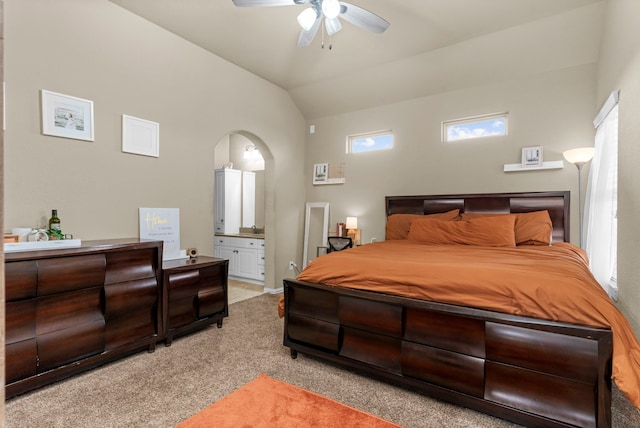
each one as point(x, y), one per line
point(324, 12)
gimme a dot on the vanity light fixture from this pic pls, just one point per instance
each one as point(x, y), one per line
point(251, 153)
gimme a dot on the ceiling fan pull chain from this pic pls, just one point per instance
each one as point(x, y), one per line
point(322, 34)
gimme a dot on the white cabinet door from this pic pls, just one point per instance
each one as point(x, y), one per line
point(229, 253)
point(247, 266)
point(248, 199)
point(227, 210)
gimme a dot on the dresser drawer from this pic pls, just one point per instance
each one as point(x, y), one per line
point(21, 279)
point(451, 332)
point(542, 351)
point(371, 316)
point(58, 275)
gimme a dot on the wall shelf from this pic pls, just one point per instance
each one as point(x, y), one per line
point(513, 167)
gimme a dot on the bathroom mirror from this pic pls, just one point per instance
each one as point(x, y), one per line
point(316, 230)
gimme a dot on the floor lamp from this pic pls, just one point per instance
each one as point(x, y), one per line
point(579, 157)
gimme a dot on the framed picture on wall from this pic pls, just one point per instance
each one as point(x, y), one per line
point(532, 156)
point(140, 136)
point(66, 116)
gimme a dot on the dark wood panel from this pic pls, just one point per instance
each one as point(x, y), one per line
point(454, 333)
point(21, 279)
point(370, 348)
point(552, 396)
point(125, 297)
point(449, 369)
point(183, 284)
point(182, 311)
point(123, 266)
point(70, 344)
point(20, 320)
point(319, 333)
point(313, 303)
point(213, 276)
point(372, 316)
point(63, 311)
point(211, 301)
point(20, 360)
point(70, 273)
point(136, 326)
point(560, 354)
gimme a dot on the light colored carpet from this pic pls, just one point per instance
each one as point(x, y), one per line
point(163, 388)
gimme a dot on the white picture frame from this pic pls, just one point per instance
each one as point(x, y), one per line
point(140, 136)
point(532, 156)
point(66, 116)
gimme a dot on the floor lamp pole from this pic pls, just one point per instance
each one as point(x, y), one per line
point(579, 157)
point(579, 165)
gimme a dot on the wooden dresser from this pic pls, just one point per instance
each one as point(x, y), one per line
point(71, 310)
point(196, 294)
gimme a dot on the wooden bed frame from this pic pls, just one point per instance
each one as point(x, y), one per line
point(529, 371)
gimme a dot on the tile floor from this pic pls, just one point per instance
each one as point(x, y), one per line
point(238, 290)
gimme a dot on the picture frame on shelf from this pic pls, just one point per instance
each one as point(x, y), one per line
point(532, 156)
point(67, 116)
point(140, 136)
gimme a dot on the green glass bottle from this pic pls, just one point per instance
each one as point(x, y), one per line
point(54, 221)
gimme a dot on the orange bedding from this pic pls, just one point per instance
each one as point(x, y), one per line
point(547, 282)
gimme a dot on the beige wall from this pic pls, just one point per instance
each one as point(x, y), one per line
point(96, 50)
point(553, 109)
point(619, 69)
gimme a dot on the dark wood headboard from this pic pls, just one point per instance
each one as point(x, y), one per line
point(557, 203)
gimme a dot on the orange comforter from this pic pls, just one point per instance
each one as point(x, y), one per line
point(548, 282)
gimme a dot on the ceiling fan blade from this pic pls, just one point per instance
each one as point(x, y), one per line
point(306, 36)
point(362, 18)
point(261, 3)
point(332, 25)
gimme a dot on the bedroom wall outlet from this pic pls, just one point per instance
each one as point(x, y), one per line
point(291, 265)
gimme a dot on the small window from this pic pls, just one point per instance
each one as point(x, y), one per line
point(489, 125)
point(369, 142)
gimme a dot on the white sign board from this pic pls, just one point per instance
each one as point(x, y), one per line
point(162, 224)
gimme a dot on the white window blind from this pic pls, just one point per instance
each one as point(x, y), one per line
point(601, 201)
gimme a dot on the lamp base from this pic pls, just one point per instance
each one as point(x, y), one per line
point(354, 234)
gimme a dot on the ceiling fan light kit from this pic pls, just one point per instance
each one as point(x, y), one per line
point(311, 18)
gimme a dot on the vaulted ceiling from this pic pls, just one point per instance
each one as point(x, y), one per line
point(431, 46)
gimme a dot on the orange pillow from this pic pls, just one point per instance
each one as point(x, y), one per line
point(398, 224)
point(494, 231)
point(533, 228)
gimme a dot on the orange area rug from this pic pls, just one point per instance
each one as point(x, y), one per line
point(267, 402)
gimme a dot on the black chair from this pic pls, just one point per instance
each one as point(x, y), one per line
point(339, 243)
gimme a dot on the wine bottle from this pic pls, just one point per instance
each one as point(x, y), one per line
point(54, 221)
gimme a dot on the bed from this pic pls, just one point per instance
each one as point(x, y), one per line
point(471, 337)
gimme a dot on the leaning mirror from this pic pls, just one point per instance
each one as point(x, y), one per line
point(316, 230)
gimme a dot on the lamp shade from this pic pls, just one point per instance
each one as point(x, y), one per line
point(352, 223)
point(579, 156)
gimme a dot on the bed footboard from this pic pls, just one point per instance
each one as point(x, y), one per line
point(529, 371)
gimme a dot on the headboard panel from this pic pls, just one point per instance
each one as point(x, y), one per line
point(557, 203)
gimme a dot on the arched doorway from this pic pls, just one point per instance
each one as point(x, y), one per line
point(245, 152)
